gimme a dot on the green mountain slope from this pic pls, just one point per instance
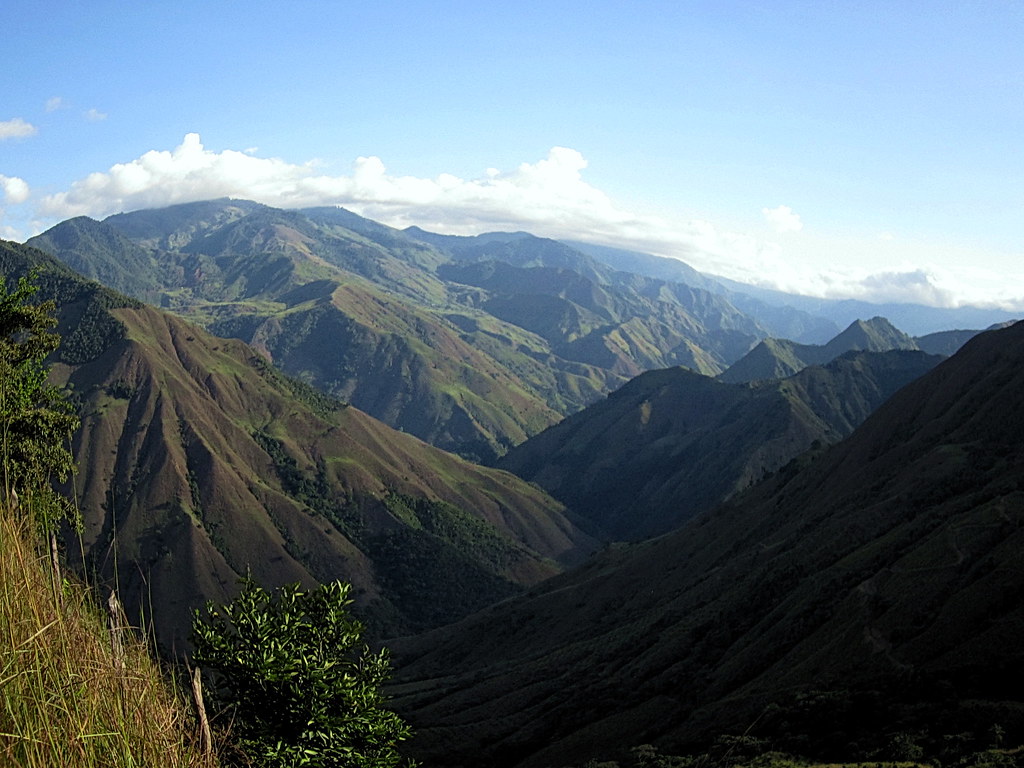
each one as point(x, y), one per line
point(871, 592)
point(672, 443)
point(621, 320)
point(199, 462)
point(329, 305)
point(458, 325)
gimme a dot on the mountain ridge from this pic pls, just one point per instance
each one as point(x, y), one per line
point(247, 270)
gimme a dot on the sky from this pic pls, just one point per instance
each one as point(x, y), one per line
point(861, 149)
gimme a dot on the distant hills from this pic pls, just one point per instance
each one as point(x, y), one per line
point(868, 592)
point(472, 344)
point(778, 358)
point(198, 463)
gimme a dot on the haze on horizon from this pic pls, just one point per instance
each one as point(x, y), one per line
point(868, 151)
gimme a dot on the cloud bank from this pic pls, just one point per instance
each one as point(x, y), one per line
point(549, 198)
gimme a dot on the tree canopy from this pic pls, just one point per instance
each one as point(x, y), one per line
point(36, 422)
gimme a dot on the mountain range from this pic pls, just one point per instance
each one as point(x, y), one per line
point(778, 358)
point(837, 561)
point(472, 344)
point(672, 443)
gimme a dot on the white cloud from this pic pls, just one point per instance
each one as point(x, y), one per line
point(15, 190)
point(549, 190)
point(549, 197)
point(783, 219)
point(94, 115)
point(16, 128)
point(54, 103)
point(8, 232)
point(916, 286)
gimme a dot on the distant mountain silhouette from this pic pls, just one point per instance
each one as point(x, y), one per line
point(778, 358)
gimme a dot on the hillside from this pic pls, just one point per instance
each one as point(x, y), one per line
point(784, 320)
point(199, 462)
point(671, 444)
point(870, 592)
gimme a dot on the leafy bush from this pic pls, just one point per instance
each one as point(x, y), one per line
point(300, 689)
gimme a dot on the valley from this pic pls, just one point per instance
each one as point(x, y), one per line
point(591, 501)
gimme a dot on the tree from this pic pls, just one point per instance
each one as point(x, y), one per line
point(299, 687)
point(36, 422)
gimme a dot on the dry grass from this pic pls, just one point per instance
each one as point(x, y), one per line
point(67, 701)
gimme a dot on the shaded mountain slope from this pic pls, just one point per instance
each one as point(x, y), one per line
point(199, 462)
point(620, 320)
point(103, 254)
point(948, 342)
point(778, 358)
point(671, 443)
point(874, 590)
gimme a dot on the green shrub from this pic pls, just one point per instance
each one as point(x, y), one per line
point(300, 689)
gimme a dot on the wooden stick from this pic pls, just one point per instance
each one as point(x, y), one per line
point(205, 736)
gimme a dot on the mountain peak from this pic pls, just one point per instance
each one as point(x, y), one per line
point(873, 335)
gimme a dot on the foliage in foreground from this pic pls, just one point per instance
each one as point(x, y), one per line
point(299, 688)
point(36, 423)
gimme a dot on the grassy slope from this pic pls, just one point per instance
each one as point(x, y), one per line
point(67, 701)
point(201, 462)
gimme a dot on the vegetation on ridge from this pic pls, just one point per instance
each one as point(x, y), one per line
point(36, 423)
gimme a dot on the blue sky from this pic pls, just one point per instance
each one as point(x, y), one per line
point(865, 149)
